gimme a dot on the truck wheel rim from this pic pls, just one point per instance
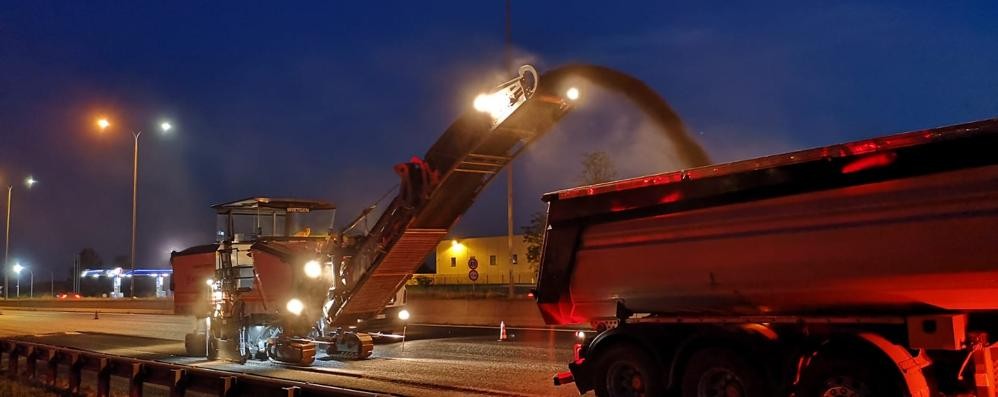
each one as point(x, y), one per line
point(720, 382)
point(625, 380)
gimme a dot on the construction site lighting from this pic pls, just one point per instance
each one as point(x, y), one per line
point(295, 306)
point(404, 315)
point(313, 269)
point(572, 93)
point(497, 104)
point(18, 268)
point(457, 247)
point(210, 282)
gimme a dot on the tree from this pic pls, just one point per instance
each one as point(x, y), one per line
point(89, 259)
point(597, 167)
point(533, 236)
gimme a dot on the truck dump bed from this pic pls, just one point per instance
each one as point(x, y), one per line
point(904, 222)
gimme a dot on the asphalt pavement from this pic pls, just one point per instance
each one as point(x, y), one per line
point(435, 361)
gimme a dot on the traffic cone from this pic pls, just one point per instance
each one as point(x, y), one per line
point(96, 317)
point(502, 331)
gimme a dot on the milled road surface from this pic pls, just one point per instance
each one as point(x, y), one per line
point(436, 361)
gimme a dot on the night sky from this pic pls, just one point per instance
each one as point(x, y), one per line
point(320, 100)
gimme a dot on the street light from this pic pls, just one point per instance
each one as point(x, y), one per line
point(31, 288)
point(164, 126)
point(29, 182)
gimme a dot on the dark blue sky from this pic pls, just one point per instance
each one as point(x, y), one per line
point(320, 100)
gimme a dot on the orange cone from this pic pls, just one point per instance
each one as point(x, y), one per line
point(502, 331)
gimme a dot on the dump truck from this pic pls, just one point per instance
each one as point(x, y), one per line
point(867, 268)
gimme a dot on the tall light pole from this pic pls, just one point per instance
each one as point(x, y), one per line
point(508, 60)
point(6, 243)
point(29, 182)
point(135, 190)
point(165, 126)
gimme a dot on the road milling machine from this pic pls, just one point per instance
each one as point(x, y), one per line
point(320, 293)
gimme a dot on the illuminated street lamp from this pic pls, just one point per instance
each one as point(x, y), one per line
point(29, 182)
point(31, 288)
point(164, 126)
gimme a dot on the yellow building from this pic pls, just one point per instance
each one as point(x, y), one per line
point(456, 258)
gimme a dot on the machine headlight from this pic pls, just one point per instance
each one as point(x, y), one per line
point(295, 306)
point(572, 93)
point(313, 269)
point(403, 315)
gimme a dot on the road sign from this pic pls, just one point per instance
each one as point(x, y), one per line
point(473, 275)
point(472, 263)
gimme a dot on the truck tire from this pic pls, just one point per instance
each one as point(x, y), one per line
point(624, 370)
point(195, 345)
point(848, 376)
point(212, 348)
point(717, 372)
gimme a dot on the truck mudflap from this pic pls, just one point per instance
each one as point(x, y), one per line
point(578, 372)
point(563, 378)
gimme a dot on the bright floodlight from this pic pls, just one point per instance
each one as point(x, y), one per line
point(30, 181)
point(313, 269)
point(482, 102)
point(497, 105)
point(572, 93)
point(403, 315)
point(210, 282)
point(18, 268)
point(295, 306)
point(103, 123)
point(165, 126)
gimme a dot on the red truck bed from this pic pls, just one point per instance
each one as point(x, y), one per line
point(903, 222)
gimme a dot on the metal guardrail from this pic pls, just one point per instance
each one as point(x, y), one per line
point(178, 378)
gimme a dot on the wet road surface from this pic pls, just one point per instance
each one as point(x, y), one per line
point(435, 361)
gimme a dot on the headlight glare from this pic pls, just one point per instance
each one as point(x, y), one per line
point(313, 269)
point(295, 306)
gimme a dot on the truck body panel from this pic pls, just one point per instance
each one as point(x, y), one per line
point(812, 234)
